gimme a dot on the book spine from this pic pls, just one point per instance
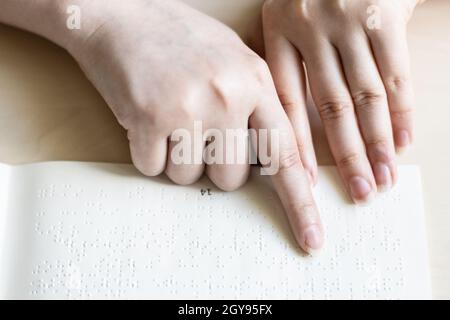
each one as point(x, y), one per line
point(5, 179)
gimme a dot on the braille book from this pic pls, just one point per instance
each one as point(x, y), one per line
point(74, 230)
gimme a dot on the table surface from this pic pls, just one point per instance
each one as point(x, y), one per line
point(49, 111)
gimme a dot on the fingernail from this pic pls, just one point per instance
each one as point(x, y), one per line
point(313, 239)
point(383, 176)
point(360, 190)
point(402, 140)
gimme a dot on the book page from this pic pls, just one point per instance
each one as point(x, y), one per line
point(5, 171)
point(86, 230)
point(4, 188)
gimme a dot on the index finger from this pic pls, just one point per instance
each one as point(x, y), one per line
point(289, 177)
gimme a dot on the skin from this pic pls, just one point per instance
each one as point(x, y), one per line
point(359, 77)
point(161, 65)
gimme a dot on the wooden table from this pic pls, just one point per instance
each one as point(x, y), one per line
point(49, 111)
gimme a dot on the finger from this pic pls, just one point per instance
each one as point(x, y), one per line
point(256, 39)
point(288, 74)
point(226, 156)
point(185, 158)
point(391, 53)
point(334, 103)
point(148, 150)
point(289, 177)
point(371, 106)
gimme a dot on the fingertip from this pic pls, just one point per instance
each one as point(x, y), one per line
point(383, 176)
point(403, 140)
point(361, 191)
point(312, 240)
point(308, 229)
point(183, 179)
point(366, 201)
point(228, 178)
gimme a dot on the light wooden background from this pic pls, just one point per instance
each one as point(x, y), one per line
point(49, 111)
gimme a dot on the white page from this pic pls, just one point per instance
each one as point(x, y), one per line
point(84, 230)
point(4, 187)
point(4, 193)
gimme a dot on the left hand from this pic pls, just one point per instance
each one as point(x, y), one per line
point(356, 57)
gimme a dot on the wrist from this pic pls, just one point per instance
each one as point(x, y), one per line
point(43, 17)
point(76, 20)
point(56, 20)
point(105, 18)
point(65, 22)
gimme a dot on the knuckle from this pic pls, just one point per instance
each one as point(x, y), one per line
point(306, 209)
point(289, 103)
point(349, 160)
point(186, 111)
point(178, 108)
point(402, 113)
point(142, 106)
point(377, 143)
point(397, 83)
point(301, 9)
point(368, 99)
point(141, 102)
point(335, 108)
point(289, 159)
point(185, 104)
point(221, 92)
point(261, 71)
point(380, 149)
point(143, 111)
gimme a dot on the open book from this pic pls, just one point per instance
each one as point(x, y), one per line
point(86, 230)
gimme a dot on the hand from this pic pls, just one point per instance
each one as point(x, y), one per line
point(356, 57)
point(161, 66)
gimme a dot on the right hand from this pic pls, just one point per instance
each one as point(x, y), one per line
point(160, 66)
